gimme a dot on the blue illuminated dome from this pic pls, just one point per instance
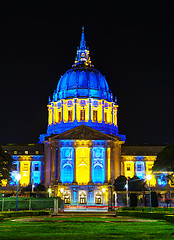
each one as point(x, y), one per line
point(83, 82)
point(82, 97)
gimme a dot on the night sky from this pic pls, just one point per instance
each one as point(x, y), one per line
point(131, 43)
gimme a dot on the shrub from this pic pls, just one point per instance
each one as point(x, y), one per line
point(24, 213)
point(169, 218)
point(133, 200)
point(154, 199)
point(150, 215)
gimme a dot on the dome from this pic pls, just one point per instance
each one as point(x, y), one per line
point(83, 82)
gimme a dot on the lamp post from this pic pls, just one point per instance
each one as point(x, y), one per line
point(18, 177)
point(127, 193)
point(149, 177)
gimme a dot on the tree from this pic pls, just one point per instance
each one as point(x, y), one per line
point(6, 165)
point(133, 200)
point(119, 183)
point(136, 184)
point(165, 159)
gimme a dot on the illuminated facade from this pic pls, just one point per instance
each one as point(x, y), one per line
point(28, 160)
point(82, 143)
point(83, 151)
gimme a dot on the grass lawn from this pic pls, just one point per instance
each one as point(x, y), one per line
point(85, 228)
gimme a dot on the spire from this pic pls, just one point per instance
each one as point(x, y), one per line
point(82, 42)
point(82, 57)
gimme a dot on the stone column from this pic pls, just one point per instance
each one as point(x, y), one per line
point(106, 165)
point(103, 110)
point(90, 167)
point(90, 109)
point(47, 164)
point(112, 163)
point(74, 180)
point(75, 109)
point(58, 165)
point(117, 160)
point(62, 111)
point(112, 113)
point(53, 155)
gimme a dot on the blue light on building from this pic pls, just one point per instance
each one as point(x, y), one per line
point(14, 172)
point(98, 165)
point(67, 164)
point(162, 180)
point(36, 172)
point(140, 169)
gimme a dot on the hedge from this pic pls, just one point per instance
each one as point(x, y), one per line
point(138, 214)
point(23, 213)
point(169, 218)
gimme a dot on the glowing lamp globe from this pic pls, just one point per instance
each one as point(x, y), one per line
point(149, 177)
point(18, 177)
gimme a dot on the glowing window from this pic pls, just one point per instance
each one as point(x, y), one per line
point(15, 166)
point(95, 115)
point(82, 165)
point(36, 167)
point(98, 165)
point(105, 117)
point(36, 152)
point(26, 152)
point(150, 167)
point(70, 115)
point(128, 167)
point(60, 117)
point(25, 167)
point(138, 167)
point(68, 174)
point(15, 152)
point(82, 115)
point(67, 164)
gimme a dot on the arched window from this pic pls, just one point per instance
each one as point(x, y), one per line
point(82, 115)
point(67, 174)
point(105, 117)
point(59, 117)
point(70, 115)
point(95, 116)
point(98, 174)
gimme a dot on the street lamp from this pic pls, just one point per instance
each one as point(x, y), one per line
point(18, 177)
point(127, 193)
point(149, 177)
point(49, 191)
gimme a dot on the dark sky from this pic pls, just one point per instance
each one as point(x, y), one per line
point(130, 42)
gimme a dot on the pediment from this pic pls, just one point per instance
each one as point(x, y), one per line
point(84, 133)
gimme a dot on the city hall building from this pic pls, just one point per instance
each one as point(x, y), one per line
point(82, 152)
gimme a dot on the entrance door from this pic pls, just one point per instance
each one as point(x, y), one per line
point(98, 197)
point(82, 197)
point(67, 197)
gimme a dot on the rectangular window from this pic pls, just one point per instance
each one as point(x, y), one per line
point(70, 115)
point(138, 167)
point(26, 152)
point(82, 115)
point(36, 167)
point(25, 167)
point(105, 117)
point(15, 167)
point(150, 167)
point(128, 167)
point(36, 152)
point(95, 115)
point(60, 117)
point(15, 152)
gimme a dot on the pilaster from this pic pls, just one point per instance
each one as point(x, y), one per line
point(106, 165)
